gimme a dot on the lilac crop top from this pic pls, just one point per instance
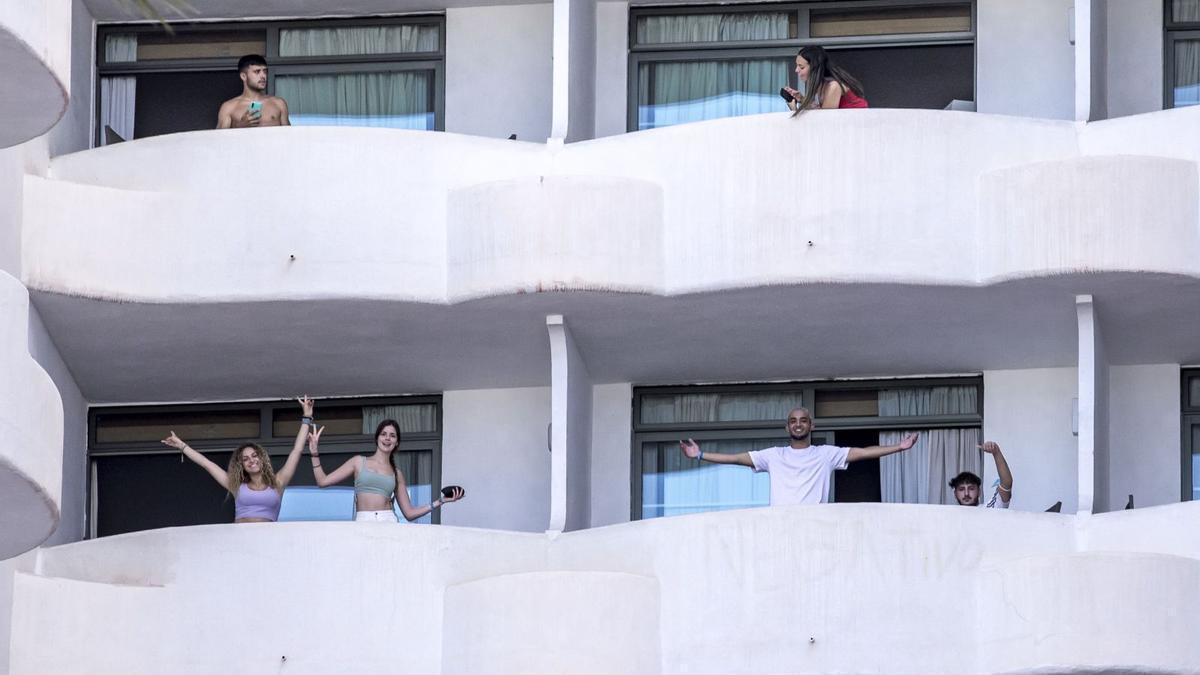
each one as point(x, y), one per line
point(256, 503)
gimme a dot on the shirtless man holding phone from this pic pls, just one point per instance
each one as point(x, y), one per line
point(253, 108)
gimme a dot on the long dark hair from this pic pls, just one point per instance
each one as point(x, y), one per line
point(820, 69)
point(395, 455)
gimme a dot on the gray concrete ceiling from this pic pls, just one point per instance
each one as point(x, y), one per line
point(218, 10)
point(32, 99)
point(132, 352)
point(222, 10)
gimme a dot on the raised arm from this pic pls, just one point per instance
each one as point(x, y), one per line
point(411, 512)
point(289, 467)
point(207, 464)
point(692, 450)
point(339, 474)
point(1006, 478)
point(876, 451)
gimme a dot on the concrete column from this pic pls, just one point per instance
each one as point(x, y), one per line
point(1093, 410)
point(574, 99)
point(1091, 47)
point(570, 431)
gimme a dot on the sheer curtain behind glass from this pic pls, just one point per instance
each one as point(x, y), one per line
point(417, 468)
point(1185, 11)
point(672, 484)
point(118, 94)
point(358, 40)
point(411, 418)
point(399, 100)
point(920, 475)
point(1186, 86)
point(676, 92)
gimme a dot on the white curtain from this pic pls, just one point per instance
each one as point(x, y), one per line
point(399, 100)
point(734, 27)
point(121, 48)
point(1185, 11)
point(676, 92)
point(920, 475)
point(1187, 72)
point(358, 40)
point(672, 484)
point(118, 95)
point(730, 407)
point(417, 468)
point(412, 418)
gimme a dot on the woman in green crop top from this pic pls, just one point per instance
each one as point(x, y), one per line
point(377, 480)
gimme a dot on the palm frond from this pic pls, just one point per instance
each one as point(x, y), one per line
point(158, 9)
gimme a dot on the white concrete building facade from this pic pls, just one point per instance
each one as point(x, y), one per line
point(1005, 246)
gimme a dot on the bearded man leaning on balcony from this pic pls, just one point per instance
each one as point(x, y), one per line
point(800, 472)
point(253, 108)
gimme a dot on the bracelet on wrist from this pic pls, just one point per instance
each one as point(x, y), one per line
point(306, 420)
point(701, 456)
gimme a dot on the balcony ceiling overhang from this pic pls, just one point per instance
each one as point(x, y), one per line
point(135, 352)
point(32, 98)
point(121, 11)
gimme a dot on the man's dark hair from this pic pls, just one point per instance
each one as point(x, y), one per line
point(250, 60)
point(964, 478)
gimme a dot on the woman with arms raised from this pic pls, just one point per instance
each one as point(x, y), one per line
point(377, 479)
point(257, 490)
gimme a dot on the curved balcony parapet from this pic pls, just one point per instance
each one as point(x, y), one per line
point(584, 232)
point(1094, 213)
point(834, 588)
point(35, 49)
point(31, 432)
point(874, 196)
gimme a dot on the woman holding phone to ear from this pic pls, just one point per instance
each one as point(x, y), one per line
point(826, 85)
point(256, 489)
point(377, 479)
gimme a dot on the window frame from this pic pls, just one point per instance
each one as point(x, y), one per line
point(1170, 37)
point(1188, 415)
point(276, 446)
point(293, 65)
point(766, 429)
point(683, 52)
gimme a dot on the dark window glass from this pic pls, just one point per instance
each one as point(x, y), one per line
point(193, 426)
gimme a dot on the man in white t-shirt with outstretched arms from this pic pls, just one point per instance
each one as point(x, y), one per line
point(801, 473)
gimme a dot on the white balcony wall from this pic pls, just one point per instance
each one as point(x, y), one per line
point(35, 48)
point(31, 430)
point(1134, 59)
point(1025, 62)
point(498, 71)
point(74, 130)
point(1028, 412)
point(612, 420)
point(612, 67)
point(842, 588)
point(1144, 435)
point(73, 490)
point(941, 185)
point(494, 444)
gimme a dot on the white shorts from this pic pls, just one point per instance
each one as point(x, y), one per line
point(388, 516)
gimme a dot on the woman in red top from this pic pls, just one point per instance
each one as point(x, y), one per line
point(827, 85)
